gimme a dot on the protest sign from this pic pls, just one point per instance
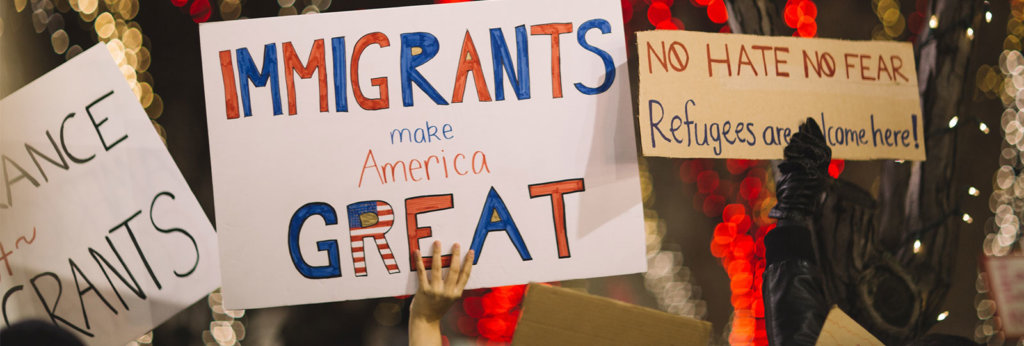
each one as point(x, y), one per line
point(1006, 282)
point(713, 95)
point(100, 233)
point(840, 329)
point(561, 316)
point(341, 142)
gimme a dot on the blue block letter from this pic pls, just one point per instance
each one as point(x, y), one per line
point(247, 71)
point(333, 267)
point(609, 65)
point(496, 217)
point(340, 91)
point(502, 59)
point(428, 46)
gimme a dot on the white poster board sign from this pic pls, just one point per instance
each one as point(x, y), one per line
point(340, 142)
point(99, 233)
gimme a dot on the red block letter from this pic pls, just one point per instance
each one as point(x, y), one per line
point(418, 205)
point(227, 71)
point(554, 29)
point(556, 190)
point(293, 64)
point(470, 61)
point(380, 82)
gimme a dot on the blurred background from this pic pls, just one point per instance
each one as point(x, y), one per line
point(705, 219)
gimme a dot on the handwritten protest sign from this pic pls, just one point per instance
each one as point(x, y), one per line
point(99, 232)
point(342, 142)
point(1006, 282)
point(741, 96)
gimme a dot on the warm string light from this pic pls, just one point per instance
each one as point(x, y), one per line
point(667, 277)
point(1006, 81)
point(226, 329)
point(894, 26)
point(291, 7)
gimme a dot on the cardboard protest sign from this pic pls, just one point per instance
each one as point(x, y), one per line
point(1006, 282)
point(560, 316)
point(99, 232)
point(341, 142)
point(840, 329)
point(716, 95)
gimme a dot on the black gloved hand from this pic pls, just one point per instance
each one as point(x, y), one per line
point(804, 175)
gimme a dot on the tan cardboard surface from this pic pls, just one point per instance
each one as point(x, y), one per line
point(840, 329)
point(714, 95)
point(560, 316)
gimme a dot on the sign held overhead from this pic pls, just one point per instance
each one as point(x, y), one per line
point(100, 233)
point(341, 142)
point(711, 95)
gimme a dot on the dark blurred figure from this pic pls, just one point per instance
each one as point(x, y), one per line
point(35, 332)
point(795, 304)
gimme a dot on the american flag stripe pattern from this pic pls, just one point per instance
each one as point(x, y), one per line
point(371, 219)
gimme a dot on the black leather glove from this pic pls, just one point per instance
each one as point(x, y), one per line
point(804, 175)
point(794, 299)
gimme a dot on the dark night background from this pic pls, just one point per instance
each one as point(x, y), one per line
point(175, 68)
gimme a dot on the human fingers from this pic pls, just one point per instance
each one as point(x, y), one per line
point(467, 267)
point(422, 273)
point(435, 264)
point(456, 267)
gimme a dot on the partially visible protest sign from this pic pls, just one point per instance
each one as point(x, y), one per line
point(713, 95)
point(99, 233)
point(342, 142)
point(1006, 282)
point(561, 316)
point(840, 329)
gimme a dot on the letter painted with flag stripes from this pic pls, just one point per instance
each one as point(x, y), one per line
point(371, 219)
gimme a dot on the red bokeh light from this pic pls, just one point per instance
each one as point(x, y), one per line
point(733, 210)
point(738, 266)
point(467, 325)
point(742, 222)
point(741, 302)
point(717, 12)
point(707, 181)
point(807, 9)
point(750, 188)
point(724, 233)
point(200, 11)
point(741, 283)
point(492, 327)
point(627, 10)
point(658, 12)
point(743, 246)
point(719, 250)
point(689, 170)
point(836, 167)
point(713, 205)
point(790, 16)
point(473, 306)
point(666, 25)
point(807, 27)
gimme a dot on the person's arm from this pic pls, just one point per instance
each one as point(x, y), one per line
point(794, 298)
point(436, 294)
